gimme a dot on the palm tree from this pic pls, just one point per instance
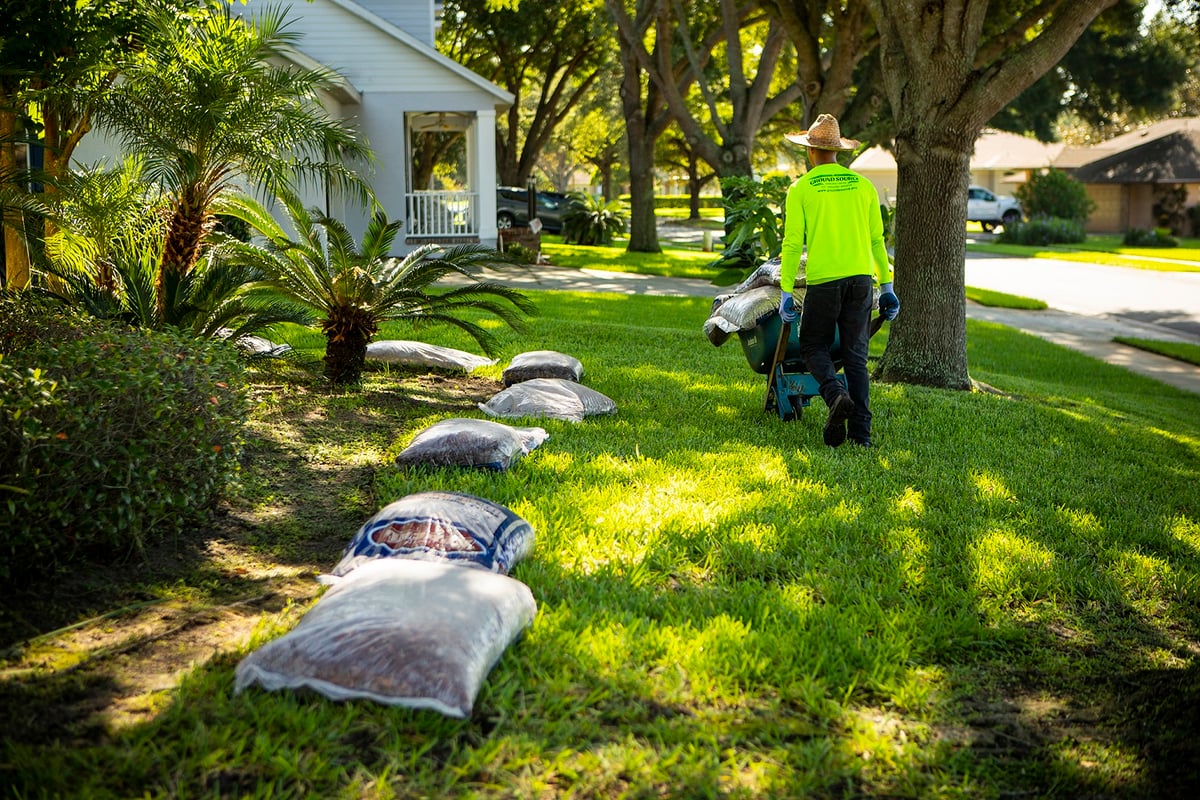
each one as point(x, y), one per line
point(355, 288)
point(211, 105)
point(105, 258)
point(591, 220)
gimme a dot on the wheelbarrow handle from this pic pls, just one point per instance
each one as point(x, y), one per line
point(785, 331)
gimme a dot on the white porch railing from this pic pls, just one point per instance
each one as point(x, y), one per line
point(435, 215)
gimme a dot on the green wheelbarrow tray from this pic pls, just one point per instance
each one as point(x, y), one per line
point(772, 348)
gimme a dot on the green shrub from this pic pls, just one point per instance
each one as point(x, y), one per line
point(1054, 193)
point(1158, 237)
point(521, 253)
point(592, 221)
point(1044, 230)
point(111, 440)
point(754, 215)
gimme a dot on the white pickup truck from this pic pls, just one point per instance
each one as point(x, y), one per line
point(990, 210)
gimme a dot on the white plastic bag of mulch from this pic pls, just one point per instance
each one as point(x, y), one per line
point(461, 442)
point(256, 345)
point(440, 526)
point(746, 309)
point(420, 354)
point(405, 633)
point(552, 398)
point(542, 364)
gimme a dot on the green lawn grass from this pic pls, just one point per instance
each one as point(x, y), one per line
point(987, 297)
point(674, 261)
point(1181, 351)
point(1106, 250)
point(1001, 600)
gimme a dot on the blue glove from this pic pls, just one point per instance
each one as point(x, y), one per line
point(787, 308)
point(889, 304)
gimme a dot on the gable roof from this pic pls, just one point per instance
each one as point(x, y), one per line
point(502, 96)
point(1165, 152)
point(994, 150)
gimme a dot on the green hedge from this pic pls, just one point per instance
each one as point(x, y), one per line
point(109, 438)
point(1044, 230)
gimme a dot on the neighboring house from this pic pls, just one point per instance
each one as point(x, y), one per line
point(1000, 163)
point(1129, 174)
point(409, 101)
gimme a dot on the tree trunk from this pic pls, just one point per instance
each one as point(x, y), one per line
point(16, 256)
point(927, 343)
point(345, 359)
point(643, 224)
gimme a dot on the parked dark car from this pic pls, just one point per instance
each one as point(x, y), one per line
point(512, 208)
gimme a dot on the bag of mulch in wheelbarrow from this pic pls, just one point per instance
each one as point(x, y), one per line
point(440, 526)
point(739, 312)
point(480, 443)
point(751, 301)
point(404, 633)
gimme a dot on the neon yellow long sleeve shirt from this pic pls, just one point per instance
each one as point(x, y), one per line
point(836, 212)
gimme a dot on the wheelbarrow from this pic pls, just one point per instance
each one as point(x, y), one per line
point(772, 348)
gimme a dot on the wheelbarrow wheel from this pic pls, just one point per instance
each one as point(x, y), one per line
point(797, 405)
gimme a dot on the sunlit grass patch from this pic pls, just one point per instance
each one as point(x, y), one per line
point(727, 607)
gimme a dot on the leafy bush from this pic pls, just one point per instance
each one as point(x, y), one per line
point(1193, 215)
point(1170, 201)
point(1044, 230)
point(1054, 193)
point(521, 253)
point(754, 215)
point(109, 438)
point(592, 221)
point(1158, 237)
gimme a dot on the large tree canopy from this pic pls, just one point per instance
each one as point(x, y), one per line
point(1119, 70)
point(548, 55)
point(947, 69)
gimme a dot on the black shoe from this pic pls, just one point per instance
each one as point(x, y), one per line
point(835, 427)
point(866, 443)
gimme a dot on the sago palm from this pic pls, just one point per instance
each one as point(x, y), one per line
point(354, 288)
point(592, 221)
point(212, 104)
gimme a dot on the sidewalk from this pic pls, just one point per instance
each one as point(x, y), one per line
point(1091, 335)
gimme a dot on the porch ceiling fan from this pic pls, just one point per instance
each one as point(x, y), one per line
point(441, 121)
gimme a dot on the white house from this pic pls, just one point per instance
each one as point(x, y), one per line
point(1000, 162)
point(407, 100)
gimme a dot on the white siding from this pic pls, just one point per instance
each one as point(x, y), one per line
point(366, 56)
point(411, 16)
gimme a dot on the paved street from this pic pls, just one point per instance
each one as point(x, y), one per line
point(1168, 300)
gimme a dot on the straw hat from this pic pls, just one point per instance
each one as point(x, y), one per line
point(823, 135)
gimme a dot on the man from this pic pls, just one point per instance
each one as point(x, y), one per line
point(835, 213)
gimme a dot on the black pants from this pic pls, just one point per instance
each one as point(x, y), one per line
point(843, 306)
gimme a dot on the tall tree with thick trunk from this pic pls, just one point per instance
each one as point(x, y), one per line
point(832, 39)
point(949, 67)
point(735, 100)
point(645, 112)
point(548, 55)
